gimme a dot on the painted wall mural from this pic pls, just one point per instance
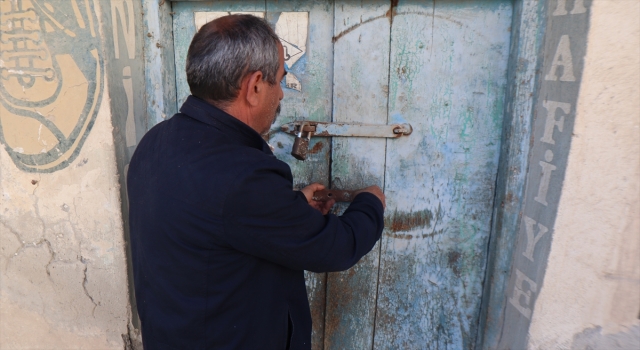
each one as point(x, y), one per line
point(51, 80)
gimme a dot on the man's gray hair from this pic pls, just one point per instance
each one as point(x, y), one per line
point(225, 50)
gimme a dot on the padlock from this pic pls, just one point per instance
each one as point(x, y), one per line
point(301, 144)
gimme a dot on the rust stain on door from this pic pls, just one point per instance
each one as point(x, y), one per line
point(407, 221)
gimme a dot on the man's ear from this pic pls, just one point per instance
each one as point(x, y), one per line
point(255, 87)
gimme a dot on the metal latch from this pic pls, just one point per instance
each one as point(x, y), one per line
point(303, 130)
point(337, 195)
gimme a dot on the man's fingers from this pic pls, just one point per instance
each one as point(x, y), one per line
point(322, 207)
point(326, 206)
point(317, 206)
point(310, 189)
point(308, 192)
point(316, 186)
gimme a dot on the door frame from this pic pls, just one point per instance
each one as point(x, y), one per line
point(531, 52)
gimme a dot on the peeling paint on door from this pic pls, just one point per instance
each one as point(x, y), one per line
point(440, 67)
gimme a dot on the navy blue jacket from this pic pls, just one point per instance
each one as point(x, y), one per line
point(220, 239)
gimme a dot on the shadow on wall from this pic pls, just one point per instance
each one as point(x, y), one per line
point(592, 338)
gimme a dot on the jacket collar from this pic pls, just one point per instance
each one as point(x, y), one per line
point(202, 111)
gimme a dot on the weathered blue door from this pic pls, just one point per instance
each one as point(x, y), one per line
point(438, 65)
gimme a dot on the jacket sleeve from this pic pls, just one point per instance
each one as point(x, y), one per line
point(264, 217)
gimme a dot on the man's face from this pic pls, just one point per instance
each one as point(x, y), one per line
point(274, 95)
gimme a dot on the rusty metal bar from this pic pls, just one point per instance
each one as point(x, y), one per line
point(337, 195)
point(348, 130)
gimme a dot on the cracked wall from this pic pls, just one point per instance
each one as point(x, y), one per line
point(62, 263)
point(63, 280)
point(590, 297)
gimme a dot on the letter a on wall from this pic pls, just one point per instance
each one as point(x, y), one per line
point(51, 78)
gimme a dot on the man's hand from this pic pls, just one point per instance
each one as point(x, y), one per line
point(323, 207)
point(376, 191)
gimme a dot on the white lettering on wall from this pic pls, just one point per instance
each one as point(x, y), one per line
point(524, 288)
point(561, 9)
point(518, 292)
point(128, 27)
point(532, 237)
point(547, 168)
point(562, 58)
point(551, 122)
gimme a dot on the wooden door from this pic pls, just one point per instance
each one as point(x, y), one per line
point(438, 65)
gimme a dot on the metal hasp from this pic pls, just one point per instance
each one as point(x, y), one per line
point(337, 195)
point(348, 130)
point(303, 130)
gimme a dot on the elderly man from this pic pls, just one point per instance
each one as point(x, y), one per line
point(220, 239)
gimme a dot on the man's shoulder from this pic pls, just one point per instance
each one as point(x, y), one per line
point(250, 161)
point(186, 148)
point(168, 131)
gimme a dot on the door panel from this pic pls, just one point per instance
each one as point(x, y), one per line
point(447, 79)
point(361, 76)
point(312, 102)
point(440, 66)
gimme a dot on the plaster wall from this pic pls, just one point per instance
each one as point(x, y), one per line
point(63, 280)
point(590, 297)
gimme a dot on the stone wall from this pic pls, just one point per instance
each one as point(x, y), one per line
point(63, 280)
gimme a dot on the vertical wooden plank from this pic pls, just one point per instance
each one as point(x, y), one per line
point(160, 77)
point(312, 102)
point(527, 37)
point(184, 29)
point(448, 76)
point(361, 71)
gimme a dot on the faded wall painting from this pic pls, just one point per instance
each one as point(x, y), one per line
point(51, 80)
